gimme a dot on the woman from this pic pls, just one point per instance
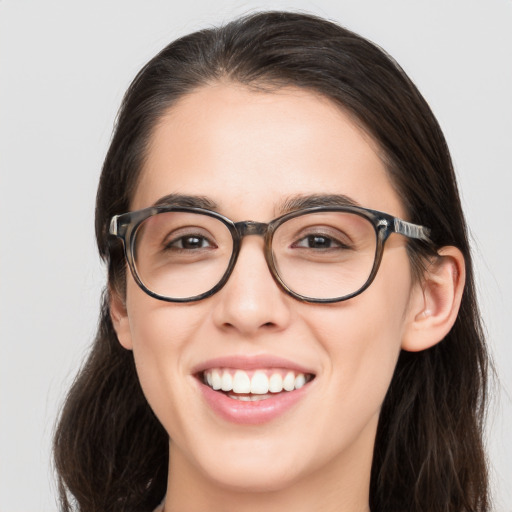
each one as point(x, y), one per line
point(290, 319)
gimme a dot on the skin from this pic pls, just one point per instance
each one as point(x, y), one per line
point(250, 151)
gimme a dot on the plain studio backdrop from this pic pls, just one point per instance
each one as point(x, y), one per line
point(64, 67)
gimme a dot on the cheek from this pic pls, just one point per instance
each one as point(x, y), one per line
point(161, 336)
point(361, 338)
point(159, 328)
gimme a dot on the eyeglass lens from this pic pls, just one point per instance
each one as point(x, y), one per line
point(318, 255)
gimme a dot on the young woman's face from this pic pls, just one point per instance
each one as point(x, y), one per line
point(249, 153)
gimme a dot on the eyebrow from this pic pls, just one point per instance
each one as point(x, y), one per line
point(188, 201)
point(290, 204)
point(299, 202)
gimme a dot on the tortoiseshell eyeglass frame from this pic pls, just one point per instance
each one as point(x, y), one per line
point(125, 227)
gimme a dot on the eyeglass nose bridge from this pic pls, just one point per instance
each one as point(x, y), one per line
point(253, 228)
point(250, 227)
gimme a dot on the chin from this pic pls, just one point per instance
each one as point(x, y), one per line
point(247, 478)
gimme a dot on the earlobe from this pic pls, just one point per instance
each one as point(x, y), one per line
point(120, 320)
point(435, 301)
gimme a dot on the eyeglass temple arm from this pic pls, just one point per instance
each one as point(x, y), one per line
point(113, 225)
point(120, 224)
point(411, 230)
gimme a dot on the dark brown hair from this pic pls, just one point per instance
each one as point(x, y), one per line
point(111, 452)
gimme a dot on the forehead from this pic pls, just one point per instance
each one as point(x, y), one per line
point(249, 151)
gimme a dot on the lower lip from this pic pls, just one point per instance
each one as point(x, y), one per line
point(251, 413)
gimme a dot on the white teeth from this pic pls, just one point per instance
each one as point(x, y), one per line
point(275, 384)
point(249, 398)
point(227, 382)
point(289, 381)
point(260, 385)
point(300, 380)
point(241, 382)
point(216, 380)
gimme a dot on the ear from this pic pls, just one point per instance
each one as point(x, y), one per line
point(435, 301)
point(120, 319)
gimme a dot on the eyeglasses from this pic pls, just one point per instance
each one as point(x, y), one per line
point(319, 254)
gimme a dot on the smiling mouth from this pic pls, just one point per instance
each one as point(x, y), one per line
point(254, 385)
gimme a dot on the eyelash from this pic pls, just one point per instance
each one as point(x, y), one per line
point(171, 245)
point(333, 243)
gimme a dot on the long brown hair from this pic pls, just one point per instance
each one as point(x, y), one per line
point(111, 453)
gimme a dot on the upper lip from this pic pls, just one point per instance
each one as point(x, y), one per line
point(247, 362)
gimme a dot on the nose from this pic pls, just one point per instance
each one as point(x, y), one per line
point(251, 302)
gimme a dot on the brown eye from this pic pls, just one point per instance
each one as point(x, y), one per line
point(189, 242)
point(316, 242)
point(319, 241)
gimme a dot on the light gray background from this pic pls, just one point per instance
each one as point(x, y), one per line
point(63, 69)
